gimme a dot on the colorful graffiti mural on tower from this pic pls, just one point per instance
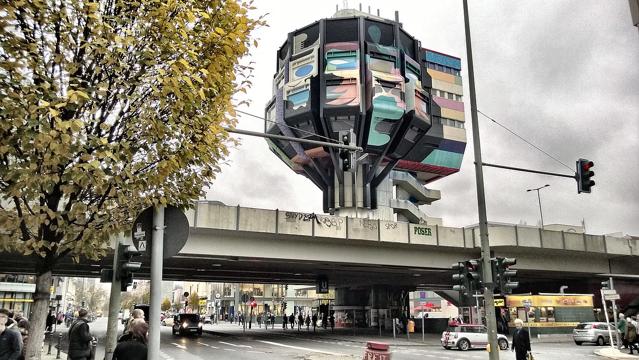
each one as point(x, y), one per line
point(365, 75)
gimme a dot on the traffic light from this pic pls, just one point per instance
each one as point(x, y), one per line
point(503, 275)
point(126, 267)
point(283, 305)
point(584, 176)
point(347, 157)
point(474, 274)
point(605, 285)
point(462, 284)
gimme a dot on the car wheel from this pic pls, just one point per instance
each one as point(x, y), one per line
point(447, 347)
point(503, 344)
point(601, 341)
point(463, 344)
point(578, 342)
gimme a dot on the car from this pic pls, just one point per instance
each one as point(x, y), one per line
point(466, 336)
point(593, 332)
point(168, 321)
point(187, 324)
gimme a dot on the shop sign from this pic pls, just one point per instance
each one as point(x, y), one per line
point(549, 300)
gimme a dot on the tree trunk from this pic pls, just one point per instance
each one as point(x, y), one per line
point(39, 311)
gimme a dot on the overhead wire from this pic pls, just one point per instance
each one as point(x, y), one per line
point(288, 126)
point(526, 141)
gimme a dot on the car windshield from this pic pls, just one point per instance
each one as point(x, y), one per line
point(452, 329)
point(189, 317)
point(584, 326)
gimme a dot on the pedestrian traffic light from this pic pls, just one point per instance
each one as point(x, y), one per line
point(584, 176)
point(126, 267)
point(503, 275)
point(605, 285)
point(283, 305)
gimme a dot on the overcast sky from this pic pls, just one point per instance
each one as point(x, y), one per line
point(563, 74)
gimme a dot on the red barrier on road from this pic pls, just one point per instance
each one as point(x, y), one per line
point(376, 351)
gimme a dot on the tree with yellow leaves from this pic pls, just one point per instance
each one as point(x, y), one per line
point(107, 107)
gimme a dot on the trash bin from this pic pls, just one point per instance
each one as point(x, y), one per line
point(411, 326)
point(376, 351)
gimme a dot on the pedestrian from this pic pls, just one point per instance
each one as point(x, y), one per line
point(300, 321)
point(135, 315)
point(631, 335)
point(284, 321)
point(134, 348)
point(23, 329)
point(10, 339)
point(621, 326)
point(291, 320)
point(308, 322)
point(272, 321)
point(259, 320)
point(50, 321)
point(314, 321)
point(80, 338)
point(331, 319)
point(521, 341)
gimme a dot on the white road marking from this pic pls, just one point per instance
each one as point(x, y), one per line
point(300, 348)
point(207, 345)
point(235, 345)
point(179, 346)
point(229, 349)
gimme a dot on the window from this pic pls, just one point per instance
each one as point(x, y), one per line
point(451, 96)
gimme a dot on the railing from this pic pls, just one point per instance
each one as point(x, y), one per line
point(213, 215)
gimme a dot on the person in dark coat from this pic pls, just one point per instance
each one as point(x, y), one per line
point(314, 321)
point(308, 321)
point(284, 321)
point(521, 340)
point(291, 320)
point(10, 339)
point(80, 338)
point(300, 321)
point(135, 348)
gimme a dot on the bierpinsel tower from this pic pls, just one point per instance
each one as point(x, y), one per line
point(360, 79)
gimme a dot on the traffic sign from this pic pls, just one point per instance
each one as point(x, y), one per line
point(217, 295)
point(175, 234)
point(612, 297)
point(500, 303)
point(245, 298)
point(609, 291)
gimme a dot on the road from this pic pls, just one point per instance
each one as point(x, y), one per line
point(226, 341)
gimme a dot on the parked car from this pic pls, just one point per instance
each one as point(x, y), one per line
point(187, 324)
point(464, 337)
point(593, 332)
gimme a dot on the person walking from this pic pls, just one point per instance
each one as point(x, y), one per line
point(135, 347)
point(521, 341)
point(284, 321)
point(314, 321)
point(259, 320)
point(631, 335)
point(331, 319)
point(308, 322)
point(272, 320)
point(291, 320)
point(136, 314)
point(621, 326)
point(10, 339)
point(80, 338)
point(300, 321)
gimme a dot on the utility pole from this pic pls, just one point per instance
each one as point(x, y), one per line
point(114, 306)
point(489, 299)
point(157, 255)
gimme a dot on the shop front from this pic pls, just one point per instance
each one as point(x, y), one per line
point(550, 313)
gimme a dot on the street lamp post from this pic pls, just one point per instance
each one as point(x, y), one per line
point(541, 214)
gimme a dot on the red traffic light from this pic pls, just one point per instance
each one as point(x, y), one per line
point(586, 165)
point(253, 303)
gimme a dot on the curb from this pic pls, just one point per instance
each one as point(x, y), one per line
point(610, 353)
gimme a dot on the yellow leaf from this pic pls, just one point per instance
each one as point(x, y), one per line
point(76, 125)
point(59, 105)
point(53, 112)
point(220, 31)
point(44, 104)
point(255, 43)
point(184, 62)
point(82, 94)
point(201, 92)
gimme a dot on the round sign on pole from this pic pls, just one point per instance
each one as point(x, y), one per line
point(217, 295)
point(186, 294)
point(176, 231)
point(245, 298)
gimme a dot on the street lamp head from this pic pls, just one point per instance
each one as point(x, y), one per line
point(529, 190)
point(546, 185)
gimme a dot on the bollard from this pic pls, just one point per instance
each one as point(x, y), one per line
point(48, 335)
point(57, 356)
point(376, 351)
point(394, 324)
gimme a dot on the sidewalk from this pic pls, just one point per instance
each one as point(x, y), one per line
point(611, 353)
